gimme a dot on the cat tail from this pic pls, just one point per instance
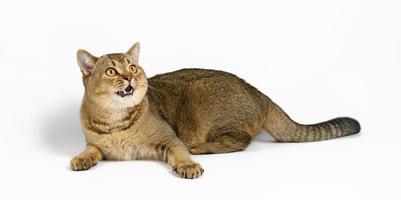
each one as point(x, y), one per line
point(284, 129)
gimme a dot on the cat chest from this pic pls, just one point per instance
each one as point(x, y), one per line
point(120, 146)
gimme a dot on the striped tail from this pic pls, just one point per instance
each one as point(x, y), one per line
point(284, 129)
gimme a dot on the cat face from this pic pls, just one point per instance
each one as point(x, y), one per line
point(113, 80)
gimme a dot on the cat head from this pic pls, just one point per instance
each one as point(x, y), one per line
point(113, 80)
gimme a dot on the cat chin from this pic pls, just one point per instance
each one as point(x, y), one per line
point(123, 102)
point(136, 98)
point(116, 102)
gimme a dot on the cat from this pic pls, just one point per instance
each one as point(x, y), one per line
point(126, 116)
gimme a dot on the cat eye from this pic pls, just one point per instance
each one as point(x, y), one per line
point(111, 72)
point(133, 69)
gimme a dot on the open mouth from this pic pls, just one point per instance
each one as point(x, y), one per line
point(127, 91)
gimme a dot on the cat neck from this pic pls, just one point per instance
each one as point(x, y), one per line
point(108, 120)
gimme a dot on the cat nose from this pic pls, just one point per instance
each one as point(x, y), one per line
point(128, 78)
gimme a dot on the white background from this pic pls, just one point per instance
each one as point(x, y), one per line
point(317, 59)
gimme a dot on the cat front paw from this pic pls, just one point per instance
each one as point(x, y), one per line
point(189, 170)
point(80, 163)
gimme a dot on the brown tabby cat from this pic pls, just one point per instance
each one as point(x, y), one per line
point(126, 116)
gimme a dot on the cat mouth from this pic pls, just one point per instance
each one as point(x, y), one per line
point(126, 92)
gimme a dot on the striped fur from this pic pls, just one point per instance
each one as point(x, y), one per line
point(284, 129)
point(171, 115)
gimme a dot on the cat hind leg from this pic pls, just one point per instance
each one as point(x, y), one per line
point(223, 142)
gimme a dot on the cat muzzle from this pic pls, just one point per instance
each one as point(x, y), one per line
point(126, 92)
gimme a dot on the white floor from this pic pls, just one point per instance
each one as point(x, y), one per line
point(35, 164)
point(317, 59)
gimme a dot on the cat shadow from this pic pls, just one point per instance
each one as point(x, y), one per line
point(263, 141)
point(62, 131)
point(264, 137)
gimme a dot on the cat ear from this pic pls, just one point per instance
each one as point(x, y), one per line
point(133, 52)
point(86, 62)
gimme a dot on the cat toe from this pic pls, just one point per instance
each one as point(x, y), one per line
point(188, 170)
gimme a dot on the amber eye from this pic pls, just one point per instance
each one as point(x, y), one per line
point(111, 72)
point(133, 69)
